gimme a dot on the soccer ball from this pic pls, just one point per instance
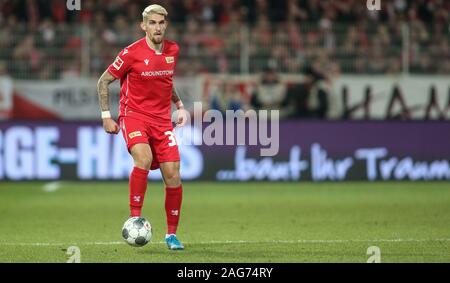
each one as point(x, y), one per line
point(137, 231)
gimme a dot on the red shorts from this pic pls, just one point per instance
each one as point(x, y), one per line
point(161, 139)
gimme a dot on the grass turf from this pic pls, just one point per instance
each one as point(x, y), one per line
point(231, 222)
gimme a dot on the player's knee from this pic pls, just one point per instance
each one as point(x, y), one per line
point(142, 156)
point(143, 161)
point(172, 178)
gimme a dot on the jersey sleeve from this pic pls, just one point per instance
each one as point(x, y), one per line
point(121, 65)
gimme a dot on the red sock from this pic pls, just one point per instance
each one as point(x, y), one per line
point(173, 207)
point(138, 186)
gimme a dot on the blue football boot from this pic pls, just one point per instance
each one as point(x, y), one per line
point(173, 243)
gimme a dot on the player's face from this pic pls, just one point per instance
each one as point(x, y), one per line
point(155, 26)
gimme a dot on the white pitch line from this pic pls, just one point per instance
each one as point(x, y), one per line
point(52, 186)
point(240, 242)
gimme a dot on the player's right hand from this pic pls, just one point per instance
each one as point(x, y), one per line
point(110, 126)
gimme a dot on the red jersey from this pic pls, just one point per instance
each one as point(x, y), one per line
point(146, 80)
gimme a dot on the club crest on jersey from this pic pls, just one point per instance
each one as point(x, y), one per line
point(146, 61)
point(118, 63)
point(169, 59)
point(135, 134)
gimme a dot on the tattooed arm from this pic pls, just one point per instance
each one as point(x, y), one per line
point(182, 114)
point(176, 98)
point(110, 126)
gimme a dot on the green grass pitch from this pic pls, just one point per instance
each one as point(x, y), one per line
point(231, 222)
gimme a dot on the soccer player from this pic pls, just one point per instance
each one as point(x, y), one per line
point(145, 70)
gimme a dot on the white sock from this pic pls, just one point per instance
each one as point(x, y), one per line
point(168, 235)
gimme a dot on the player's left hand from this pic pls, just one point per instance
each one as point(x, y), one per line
point(182, 116)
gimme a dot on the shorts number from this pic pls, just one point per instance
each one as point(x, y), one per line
point(172, 139)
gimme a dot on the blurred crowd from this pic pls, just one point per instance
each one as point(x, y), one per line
point(42, 39)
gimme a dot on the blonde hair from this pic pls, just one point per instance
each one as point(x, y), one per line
point(154, 9)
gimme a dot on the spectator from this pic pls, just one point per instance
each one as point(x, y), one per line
point(285, 34)
point(270, 92)
point(318, 100)
point(229, 99)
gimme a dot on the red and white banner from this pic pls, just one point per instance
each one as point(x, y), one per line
point(351, 97)
point(6, 97)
